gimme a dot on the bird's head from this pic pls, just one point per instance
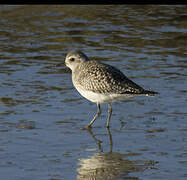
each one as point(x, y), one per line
point(75, 58)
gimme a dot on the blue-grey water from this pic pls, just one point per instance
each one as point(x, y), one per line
point(41, 114)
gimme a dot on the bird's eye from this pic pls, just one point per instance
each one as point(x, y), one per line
point(72, 59)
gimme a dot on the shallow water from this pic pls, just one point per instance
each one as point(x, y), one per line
point(41, 113)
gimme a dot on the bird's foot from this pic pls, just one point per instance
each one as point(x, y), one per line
point(86, 128)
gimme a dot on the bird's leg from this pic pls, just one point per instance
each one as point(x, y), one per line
point(95, 117)
point(109, 114)
point(110, 138)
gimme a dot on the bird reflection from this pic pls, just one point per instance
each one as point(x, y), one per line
point(108, 165)
point(98, 142)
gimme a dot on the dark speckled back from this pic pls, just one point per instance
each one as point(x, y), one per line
point(103, 78)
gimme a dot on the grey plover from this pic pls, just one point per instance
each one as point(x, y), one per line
point(101, 83)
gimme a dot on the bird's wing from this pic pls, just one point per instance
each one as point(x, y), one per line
point(104, 78)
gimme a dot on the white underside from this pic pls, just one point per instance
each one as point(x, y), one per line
point(102, 98)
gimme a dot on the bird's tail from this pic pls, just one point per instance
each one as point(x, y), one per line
point(150, 93)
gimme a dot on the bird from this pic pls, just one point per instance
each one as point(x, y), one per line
point(101, 83)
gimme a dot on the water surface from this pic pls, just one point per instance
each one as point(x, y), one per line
point(41, 113)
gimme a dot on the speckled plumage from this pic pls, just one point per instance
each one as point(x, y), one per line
point(104, 79)
point(99, 82)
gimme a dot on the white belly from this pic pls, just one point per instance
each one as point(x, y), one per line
point(101, 98)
